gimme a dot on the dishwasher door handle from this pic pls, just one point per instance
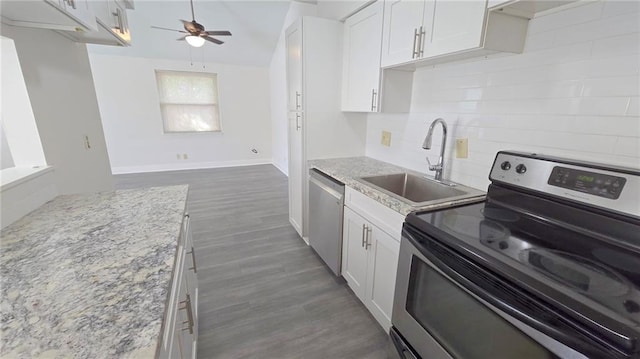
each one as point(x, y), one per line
point(326, 188)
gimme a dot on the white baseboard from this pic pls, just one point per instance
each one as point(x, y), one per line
point(25, 195)
point(187, 166)
point(277, 165)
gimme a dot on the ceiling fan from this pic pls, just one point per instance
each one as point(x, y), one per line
point(196, 34)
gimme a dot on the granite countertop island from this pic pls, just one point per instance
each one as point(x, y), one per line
point(347, 170)
point(87, 276)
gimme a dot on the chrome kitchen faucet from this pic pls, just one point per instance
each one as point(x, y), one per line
point(439, 167)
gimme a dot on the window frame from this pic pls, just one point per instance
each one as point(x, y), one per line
point(215, 105)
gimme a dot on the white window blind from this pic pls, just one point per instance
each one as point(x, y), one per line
point(188, 101)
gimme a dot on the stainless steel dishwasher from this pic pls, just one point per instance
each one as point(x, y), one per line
point(326, 200)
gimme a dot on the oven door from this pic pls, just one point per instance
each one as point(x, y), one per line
point(442, 314)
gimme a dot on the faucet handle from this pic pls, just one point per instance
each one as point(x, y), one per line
point(433, 167)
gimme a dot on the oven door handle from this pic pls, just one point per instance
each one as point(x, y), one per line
point(574, 338)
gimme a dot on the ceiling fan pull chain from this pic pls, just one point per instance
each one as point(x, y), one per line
point(190, 56)
point(203, 58)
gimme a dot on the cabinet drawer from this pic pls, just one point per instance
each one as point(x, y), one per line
point(378, 214)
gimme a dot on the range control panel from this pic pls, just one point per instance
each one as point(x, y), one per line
point(609, 187)
point(593, 183)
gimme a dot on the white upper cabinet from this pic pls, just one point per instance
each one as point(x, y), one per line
point(432, 31)
point(90, 21)
point(67, 15)
point(457, 25)
point(402, 24)
point(113, 25)
point(361, 59)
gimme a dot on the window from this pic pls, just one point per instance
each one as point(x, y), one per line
point(188, 101)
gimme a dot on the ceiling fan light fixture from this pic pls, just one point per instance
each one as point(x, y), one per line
point(195, 41)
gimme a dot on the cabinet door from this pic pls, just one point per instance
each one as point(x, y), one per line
point(296, 169)
point(81, 12)
point(361, 59)
point(65, 15)
point(191, 276)
point(402, 21)
point(381, 277)
point(354, 252)
point(173, 318)
point(294, 66)
point(185, 322)
point(118, 22)
point(456, 26)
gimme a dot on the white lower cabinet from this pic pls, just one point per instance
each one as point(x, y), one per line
point(369, 264)
point(180, 336)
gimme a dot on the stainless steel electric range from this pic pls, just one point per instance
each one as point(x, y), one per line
point(547, 267)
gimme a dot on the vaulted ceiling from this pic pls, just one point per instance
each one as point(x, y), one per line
point(255, 26)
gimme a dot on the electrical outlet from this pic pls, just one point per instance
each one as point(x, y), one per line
point(185, 156)
point(177, 156)
point(462, 148)
point(386, 138)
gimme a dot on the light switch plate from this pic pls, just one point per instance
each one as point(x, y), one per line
point(386, 138)
point(462, 148)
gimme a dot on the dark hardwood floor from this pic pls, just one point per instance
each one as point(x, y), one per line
point(263, 292)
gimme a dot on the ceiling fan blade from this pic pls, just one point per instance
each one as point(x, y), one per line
point(214, 40)
point(182, 38)
point(165, 28)
point(219, 33)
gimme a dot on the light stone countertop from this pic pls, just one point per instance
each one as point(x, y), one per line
point(87, 276)
point(347, 170)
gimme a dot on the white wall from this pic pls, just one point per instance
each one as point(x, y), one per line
point(340, 9)
point(19, 130)
point(24, 189)
point(574, 92)
point(278, 87)
point(58, 79)
point(6, 159)
point(129, 106)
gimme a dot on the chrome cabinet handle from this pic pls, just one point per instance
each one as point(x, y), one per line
point(298, 96)
point(421, 42)
point(415, 38)
point(121, 21)
point(368, 242)
point(120, 26)
point(364, 226)
point(298, 117)
point(187, 306)
point(193, 259)
point(373, 99)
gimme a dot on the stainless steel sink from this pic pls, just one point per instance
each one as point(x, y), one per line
point(418, 190)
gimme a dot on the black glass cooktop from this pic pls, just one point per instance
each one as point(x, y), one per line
point(590, 263)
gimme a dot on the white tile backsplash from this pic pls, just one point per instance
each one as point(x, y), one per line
point(573, 92)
